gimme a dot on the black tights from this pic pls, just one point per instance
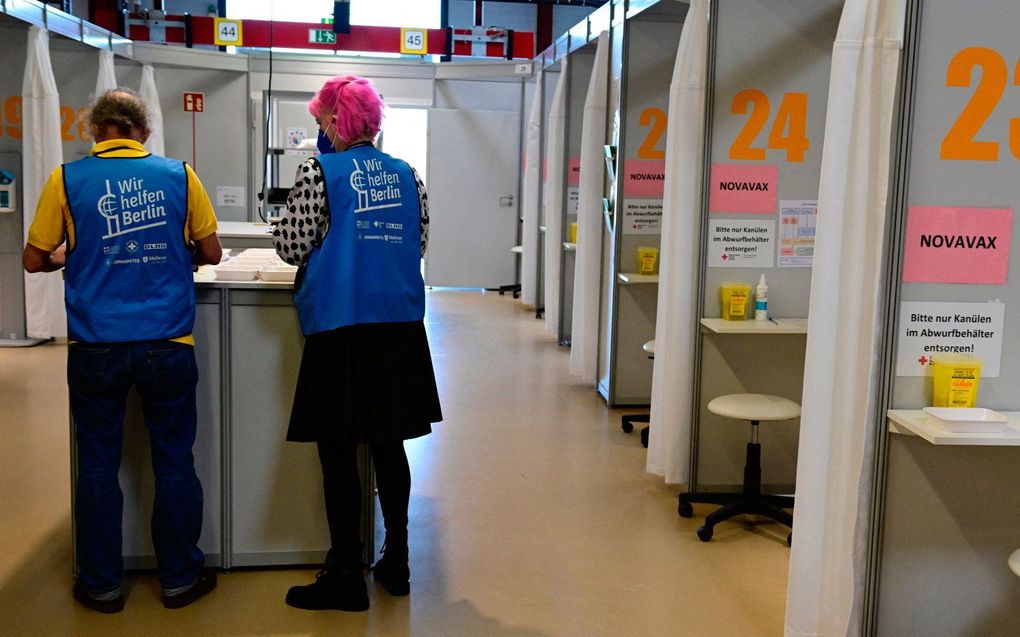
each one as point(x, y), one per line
point(342, 486)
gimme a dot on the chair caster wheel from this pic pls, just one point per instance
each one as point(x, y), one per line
point(685, 509)
point(644, 437)
point(626, 424)
point(704, 533)
point(789, 539)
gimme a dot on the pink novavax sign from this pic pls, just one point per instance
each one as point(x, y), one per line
point(644, 178)
point(574, 171)
point(946, 244)
point(749, 188)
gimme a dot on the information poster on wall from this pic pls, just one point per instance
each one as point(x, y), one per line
point(573, 200)
point(230, 196)
point(741, 244)
point(642, 216)
point(797, 223)
point(928, 329)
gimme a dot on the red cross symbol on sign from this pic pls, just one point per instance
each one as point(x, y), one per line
point(725, 256)
point(923, 360)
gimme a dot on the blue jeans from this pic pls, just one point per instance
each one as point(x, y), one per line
point(165, 376)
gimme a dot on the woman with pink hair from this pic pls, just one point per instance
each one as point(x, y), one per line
point(357, 225)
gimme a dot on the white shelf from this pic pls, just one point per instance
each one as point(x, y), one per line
point(751, 326)
point(914, 422)
point(631, 278)
point(569, 247)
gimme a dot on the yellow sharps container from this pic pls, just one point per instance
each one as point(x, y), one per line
point(955, 380)
point(734, 299)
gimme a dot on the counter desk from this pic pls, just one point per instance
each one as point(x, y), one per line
point(263, 495)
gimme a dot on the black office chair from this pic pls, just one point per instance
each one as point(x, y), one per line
point(627, 421)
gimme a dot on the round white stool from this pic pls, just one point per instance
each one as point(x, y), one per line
point(754, 408)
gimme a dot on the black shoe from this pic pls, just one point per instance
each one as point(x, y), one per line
point(206, 582)
point(103, 606)
point(333, 589)
point(392, 572)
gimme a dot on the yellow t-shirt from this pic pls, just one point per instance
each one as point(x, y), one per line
point(53, 221)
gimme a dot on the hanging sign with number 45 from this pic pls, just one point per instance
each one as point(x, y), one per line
point(227, 32)
point(414, 41)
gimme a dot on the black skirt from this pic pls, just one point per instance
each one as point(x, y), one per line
point(368, 383)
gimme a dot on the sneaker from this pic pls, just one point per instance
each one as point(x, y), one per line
point(333, 589)
point(393, 574)
point(205, 583)
point(108, 606)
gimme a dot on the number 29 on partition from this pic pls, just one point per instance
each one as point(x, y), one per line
point(960, 143)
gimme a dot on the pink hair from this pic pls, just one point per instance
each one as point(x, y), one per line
point(354, 106)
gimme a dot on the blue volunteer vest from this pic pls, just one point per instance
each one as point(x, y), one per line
point(367, 269)
point(129, 275)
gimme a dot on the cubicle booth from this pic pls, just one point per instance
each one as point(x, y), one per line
point(649, 44)
point(581, 58)
point(769, 63)
point(947, 515)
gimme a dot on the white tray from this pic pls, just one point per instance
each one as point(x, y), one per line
point(235, 273)
point(278, 273)
point(967, 419)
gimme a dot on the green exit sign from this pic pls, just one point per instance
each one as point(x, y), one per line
point(321, 36)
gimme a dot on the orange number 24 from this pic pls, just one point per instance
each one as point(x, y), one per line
point(788, 132)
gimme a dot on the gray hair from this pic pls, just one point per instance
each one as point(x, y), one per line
point(121, 108)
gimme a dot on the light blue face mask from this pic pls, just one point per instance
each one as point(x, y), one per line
point(323, 144)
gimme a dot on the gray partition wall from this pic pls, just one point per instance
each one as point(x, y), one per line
point(950, 514)
point(769, 72)
point(650, 44)
point(579, 69)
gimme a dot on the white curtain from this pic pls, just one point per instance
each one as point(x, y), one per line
point(530, 202)
point(669, 438)
point(828, 558)
point(588, 264)
point(151, 98)
point(41, 153)
point(107, 78)
point(555, 156)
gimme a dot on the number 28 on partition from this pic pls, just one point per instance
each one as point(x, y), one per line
point(960, 143)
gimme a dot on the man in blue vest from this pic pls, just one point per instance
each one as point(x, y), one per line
point(127, 226)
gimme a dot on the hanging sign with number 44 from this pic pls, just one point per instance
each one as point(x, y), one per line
point(227, 32)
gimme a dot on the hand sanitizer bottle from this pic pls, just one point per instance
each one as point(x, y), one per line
point(761, 300)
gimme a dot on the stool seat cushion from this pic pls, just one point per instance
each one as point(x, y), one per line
point(1014, 562)
point(649, 346)
point(754, 407)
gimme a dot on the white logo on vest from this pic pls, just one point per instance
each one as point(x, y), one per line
point(377, 188)
point(132, 208)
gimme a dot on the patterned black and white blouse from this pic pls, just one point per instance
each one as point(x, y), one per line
point(306, 223)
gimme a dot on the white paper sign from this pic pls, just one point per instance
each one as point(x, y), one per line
point(573, 199)
point(230, 196)
point(733, 243)
point(642, 216)
point(797, 222)
point(928, 328)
